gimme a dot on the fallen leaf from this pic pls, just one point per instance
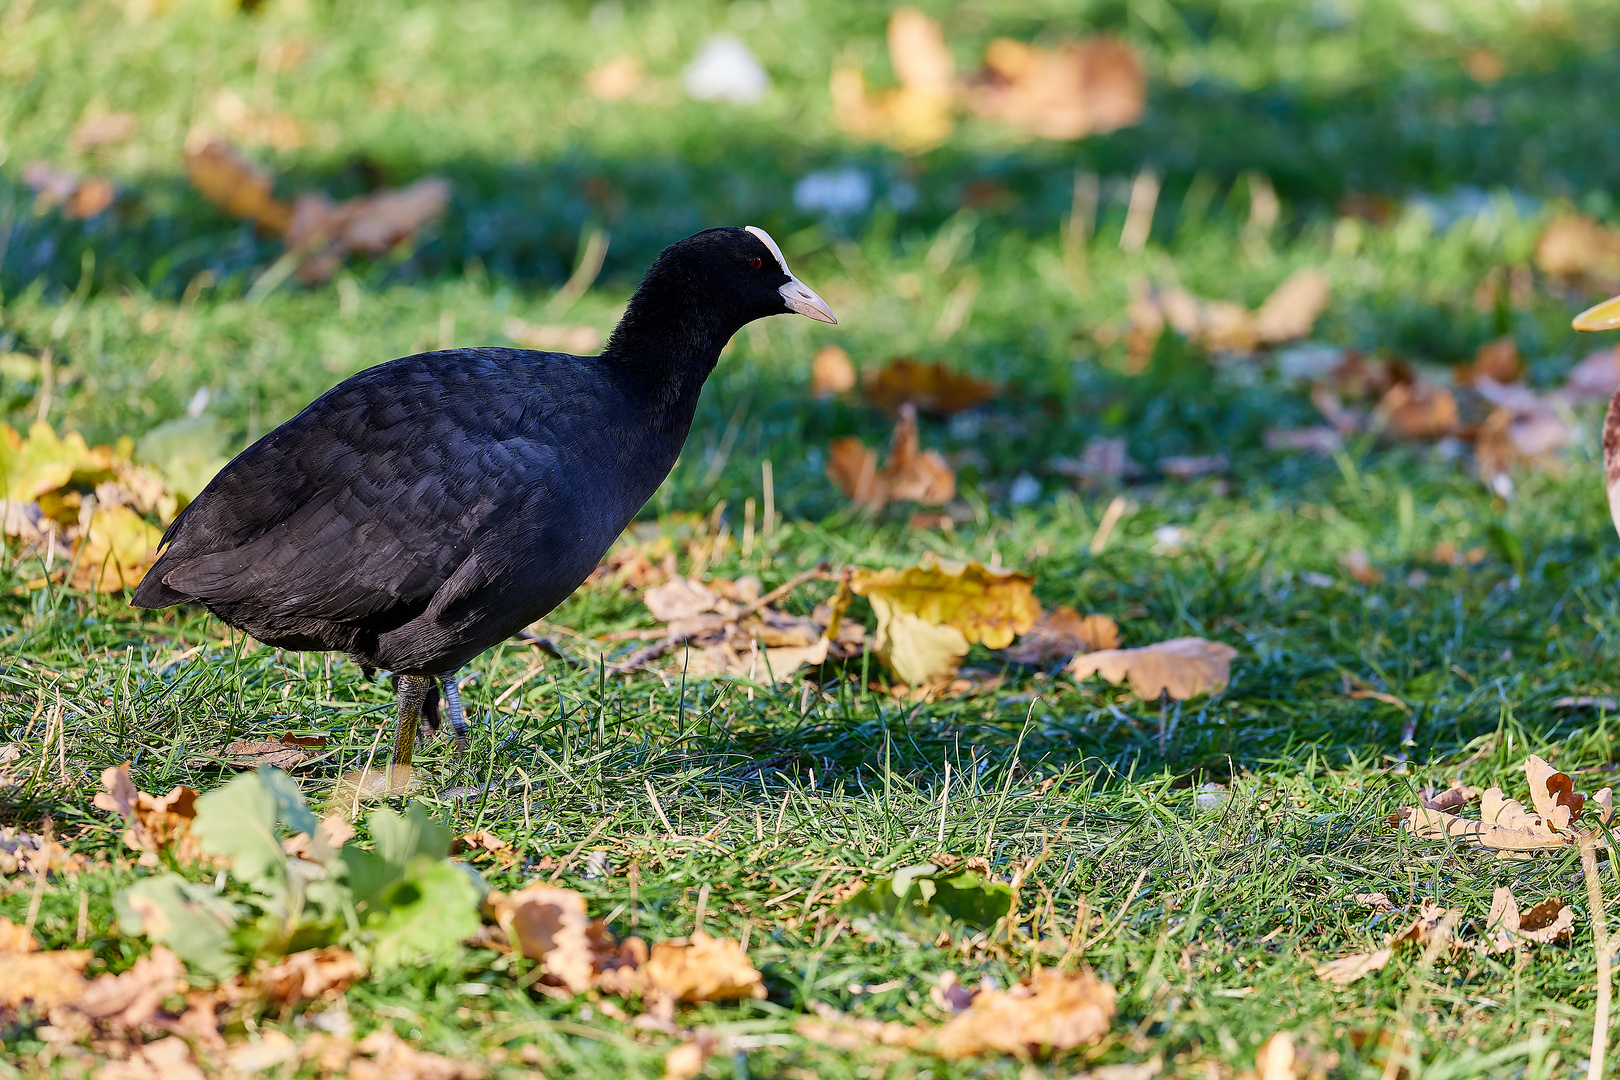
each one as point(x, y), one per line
point(47, 979)
point(1275, 1058)
point(576, 340)
point(1103, 462)
point(1377, 901)
point(395, 1059)
point(132, 998)
point(831, 372)
point(910, 474)
point(1496, 360)
point(849, 1033)
point(287, 752)
point(1181, 667)
point(1553, 794)
point(754, 663)
point(615, 79)
point(927, 899)
point(105, 130)
point(152, 823)
point(227, 180)
point(257, 127)
point(1418, 410)
point(916, 116)
point(1506, 825)
point(1433, 924)
point(44, 462)
point(1506, 929)
point(685, 1060)
point(165, 1059)
point(115, 551)
point(79, 197)
point(1061, 633)
point(1292, 309)
point(1523, 429)
point(548, 924)
point(702, 968)
point(309, 974)
point(272, 1049)
point(1054, 1010)
point(679, 598)
point(1358, 566)
point(370, 224)
point(929, 614)
point(1577, 247)
point(1092, 86)
point(932, 388)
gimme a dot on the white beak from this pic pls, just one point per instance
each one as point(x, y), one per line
point(796, 294)
point(802, 298)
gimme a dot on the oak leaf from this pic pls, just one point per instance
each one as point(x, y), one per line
point(1087, 87)
point(1181, 667)
point(1061, 633)
point(911, 474)
point(1433, 924)
point(153, 823)
point(702, 968)
point(1507, 929)
point(932, 388)
point(548, 924)
point(1054, 1010)
point(929, 614)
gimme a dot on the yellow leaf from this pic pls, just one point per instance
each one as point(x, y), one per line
point(116, 551)
point(987, 605)
point(933, 388)
point(1182, 667)
point(918, 651)
point(44, 462)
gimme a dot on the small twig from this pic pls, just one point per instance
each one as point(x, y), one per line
point(1600, 938)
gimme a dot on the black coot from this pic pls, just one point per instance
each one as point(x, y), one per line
point(427, 508)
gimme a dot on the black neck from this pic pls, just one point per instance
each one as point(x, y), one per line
point(669, 344)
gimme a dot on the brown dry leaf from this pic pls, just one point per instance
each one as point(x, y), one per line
point(849, 1033)
point(1496, 360)
point(153, 823)
point(574, 339)
point(47, 979)
point(395, 1059)
point(679, 598)
point(702, 968)
point(1377, 901)
point(1433, 924)
point(918, 114)
point(272, 1049)
point(1358, 566)
point(256, 127)
point(1082, 88)
point(287, 752)
point(1419, 410)
point(1553, 794)
point(1293, 307)
point(548, 924)
point(1053, 1011)
point(831, 372)
point(165, 1059)
point(1577, 247)
point(1506, 929)
point(1181, 667)
point(756, 664)
point(685, 1060)
point(370, 224)
point(615, 79)
point(309, 974)
point(1275, 1058)
point(116, 550)
point(1348, 969)
point(929, 614)
point(1062, 632)
point(933, 388)
point(79, 197)
point(133, 997)
point(1522, 429)
point(911, 474)
point(105, 130)
point(228, 181)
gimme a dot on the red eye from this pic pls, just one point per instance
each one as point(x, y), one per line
point(754, 262)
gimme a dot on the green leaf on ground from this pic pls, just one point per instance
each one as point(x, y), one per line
point(190, 919)
point(926, 898)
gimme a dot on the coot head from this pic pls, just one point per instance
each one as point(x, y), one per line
point(741, 271)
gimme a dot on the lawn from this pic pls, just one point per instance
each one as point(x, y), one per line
point(1404, 618)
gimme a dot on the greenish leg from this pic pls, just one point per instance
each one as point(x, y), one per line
point(409, 691)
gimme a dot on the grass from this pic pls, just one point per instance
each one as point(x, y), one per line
point(1208, 917)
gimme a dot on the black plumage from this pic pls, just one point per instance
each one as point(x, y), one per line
point(425, 509)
